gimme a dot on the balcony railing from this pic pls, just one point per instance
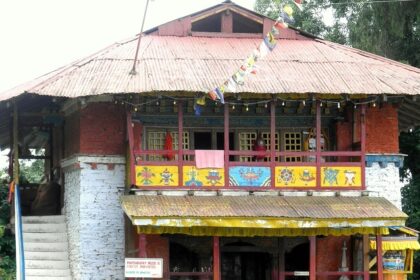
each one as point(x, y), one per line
point(315, 172)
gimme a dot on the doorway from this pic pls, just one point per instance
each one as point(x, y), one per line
point(244, 261)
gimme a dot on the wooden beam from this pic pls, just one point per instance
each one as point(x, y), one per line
point(366, 250)
point(379, 263)
point(15, 144)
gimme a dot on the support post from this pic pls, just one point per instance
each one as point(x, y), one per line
point(281, 264)
point(318, 144)
point(180, 137)
point(142, 246)
point(312, 257)
point(363, 144)
point(379, 261)
point(366, 257)
point(130, 136)
point(272, 142)
point(226, 143)
point(216, 258)
point(15, 144)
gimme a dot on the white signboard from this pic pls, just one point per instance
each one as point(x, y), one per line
point(143, 268)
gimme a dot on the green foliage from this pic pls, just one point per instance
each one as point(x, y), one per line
point(7, 241)
point(410, 145)
point(387, 29)
point(31, 171)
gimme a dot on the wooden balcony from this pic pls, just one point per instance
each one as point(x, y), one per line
point(316, 170)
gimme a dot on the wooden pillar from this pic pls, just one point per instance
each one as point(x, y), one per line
point(15, 144)
point(216, 258)
point(312, 257)
point(318, 144)
point(226, 144)
point(142, 246)
point(366, 250)
point(363, 144)
point(379, 262)
point(281, 264)
point(180, 137)
point(273, 142)
point(130, 136)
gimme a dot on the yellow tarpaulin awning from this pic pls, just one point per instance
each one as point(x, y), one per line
point(261, 215)
point(392, 245)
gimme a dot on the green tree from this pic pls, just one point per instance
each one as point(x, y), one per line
point(7, 241)
point(390, 29)
point(410, 145)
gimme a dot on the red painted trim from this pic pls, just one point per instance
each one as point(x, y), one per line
point(272, 142)
point(216, 258)
point(180, 148)
point(379, 261)
point(142, 253)
point(226, 144)
point(312, 257)
point(130, 136)
point(363, 144)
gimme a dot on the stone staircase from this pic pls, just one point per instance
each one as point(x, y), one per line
point(46, 248)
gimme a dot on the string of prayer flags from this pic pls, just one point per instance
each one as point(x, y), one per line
point(248, 66)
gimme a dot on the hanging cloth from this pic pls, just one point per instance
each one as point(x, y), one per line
point(259, 145)
point(168, 146)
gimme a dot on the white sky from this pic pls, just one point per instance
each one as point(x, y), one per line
point(38, 36)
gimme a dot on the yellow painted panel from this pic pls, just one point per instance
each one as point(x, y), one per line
point(157, 176)
point(198, 177)
point(341, 176)
point(295, 176)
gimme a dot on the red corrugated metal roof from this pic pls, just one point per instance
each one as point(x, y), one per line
point(192, 64)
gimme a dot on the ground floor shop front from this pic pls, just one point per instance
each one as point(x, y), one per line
point(270, 238)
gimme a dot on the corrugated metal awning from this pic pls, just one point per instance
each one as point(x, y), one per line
point(261, 215)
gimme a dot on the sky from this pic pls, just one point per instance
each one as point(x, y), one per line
point(40, 36)
point(43, 35)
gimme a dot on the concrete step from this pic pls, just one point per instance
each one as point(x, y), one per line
point(44, 273)
point(44, 227)
point(58, 219)
point(52, 256)
point(45, 247)
point(44, 237)
point(46, 264)
point(48, 278)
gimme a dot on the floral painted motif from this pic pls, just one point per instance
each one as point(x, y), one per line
point(330, 176)
point(213, 177)
point(146, 176)
point(166, 177)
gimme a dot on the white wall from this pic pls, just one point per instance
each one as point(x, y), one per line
point(95, 221)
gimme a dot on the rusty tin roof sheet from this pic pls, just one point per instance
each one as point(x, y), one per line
point(260, 206)
point(196, 64)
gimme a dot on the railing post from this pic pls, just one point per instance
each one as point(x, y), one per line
point(363, 144)
point(273, 142)
point(226, 143)
point(318, 144)
point(180, 138)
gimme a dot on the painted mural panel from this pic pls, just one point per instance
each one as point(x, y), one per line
point(341, 176)
point(207, 177)
point(295, 176)
point(246, 176)
point(165, 176)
